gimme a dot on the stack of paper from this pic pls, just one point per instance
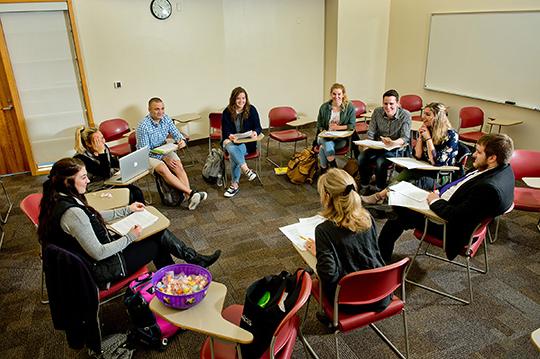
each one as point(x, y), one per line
point(405, 194)
point(246, 134)
point(166, 148)
point(299, 232)
point(335, 134)
point(144, 219)
point(377, 145)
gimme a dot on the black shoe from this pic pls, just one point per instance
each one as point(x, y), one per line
point(206, 261)
point(324, 319)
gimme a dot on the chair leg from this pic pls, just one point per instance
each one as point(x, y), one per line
point(10, 204)
point(307, 347)
point(496, 235)
point(149, 200)
point(388, 342)
point(42, 299)
point(3, 234)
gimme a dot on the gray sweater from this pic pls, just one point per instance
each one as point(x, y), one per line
point(77, 224)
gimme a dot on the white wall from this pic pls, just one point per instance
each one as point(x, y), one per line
point(192, 60)
point(407, 53)
point(362, 48)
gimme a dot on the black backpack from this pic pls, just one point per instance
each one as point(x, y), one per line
point(170, 196)
point(214, 166)
point(264, 309)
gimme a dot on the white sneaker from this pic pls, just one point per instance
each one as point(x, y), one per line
point(231, 191)
point(194, 201)
point(251, 175)
point(204, 195)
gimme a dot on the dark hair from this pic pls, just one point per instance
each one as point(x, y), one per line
point(391, 92)
point(232, 102)
point(61, 180)
point(498, 144)
point(154, 99)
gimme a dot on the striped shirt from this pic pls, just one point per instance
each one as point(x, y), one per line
point(154, 134)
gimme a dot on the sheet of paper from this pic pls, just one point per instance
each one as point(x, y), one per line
point(246, 134)
point(409, 190)
point(398, 199)
point(166, 148)
point(335, 134)
point(298, 232)
point(144, 219)
point(410, 163)
point(377, 145)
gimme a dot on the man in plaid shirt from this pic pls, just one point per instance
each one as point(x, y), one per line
point(153, 131)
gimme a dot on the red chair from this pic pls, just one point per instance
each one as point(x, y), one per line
point(366, 287)
point(114, 130)
point(526, 163)
point(412, 103)
point(471, 116)
point(279, 117)
point(30, 205)
point(132, 140)
point(468, 251)
point(214, 131)
point(361, 123)
point(284, 337)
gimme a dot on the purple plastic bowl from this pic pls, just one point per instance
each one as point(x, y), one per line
point(182, 301)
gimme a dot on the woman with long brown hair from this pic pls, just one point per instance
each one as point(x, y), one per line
point(240, 116)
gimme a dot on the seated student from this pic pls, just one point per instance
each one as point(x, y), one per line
point(437, 144)
point(347, 241)
point(240, 116)
point(153, 131)
point(67, 221)
point(99, 162)
point(392, 125)
point(337, 114)
point(486, 192)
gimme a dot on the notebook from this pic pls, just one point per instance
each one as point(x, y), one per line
point(132, 165)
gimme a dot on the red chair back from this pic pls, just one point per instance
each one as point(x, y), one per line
point(525, 163)
point(114, 129)
point(30, 205)
point(372, 285)
point(411, 103)
point(359, 107)
point(471, 116)
point(215, 120)
point(279, 116)
point(132, 140)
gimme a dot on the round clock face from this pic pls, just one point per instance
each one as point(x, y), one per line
point(161, 9)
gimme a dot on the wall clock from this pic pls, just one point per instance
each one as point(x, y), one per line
point(161, 9)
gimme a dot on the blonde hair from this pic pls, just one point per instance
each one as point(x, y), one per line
point(441, 124)
point(341, 203)
point(83, 137)
point(345, 102)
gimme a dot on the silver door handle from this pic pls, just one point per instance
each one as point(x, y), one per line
point(7, 108)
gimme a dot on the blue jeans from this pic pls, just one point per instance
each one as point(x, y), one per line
point(328, 148)
point(237, 155)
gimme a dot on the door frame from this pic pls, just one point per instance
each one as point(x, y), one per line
point(13, 85)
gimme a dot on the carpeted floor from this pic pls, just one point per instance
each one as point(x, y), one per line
point(498, 324)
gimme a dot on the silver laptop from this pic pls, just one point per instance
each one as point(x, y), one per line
point(132, 165)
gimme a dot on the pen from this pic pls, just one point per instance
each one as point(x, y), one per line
point(304, 238)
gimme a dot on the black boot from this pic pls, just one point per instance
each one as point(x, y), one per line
point(332, 164)
point(205, 261)
point(180, 250)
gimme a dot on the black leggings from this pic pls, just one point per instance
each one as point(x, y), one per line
point(138, 254)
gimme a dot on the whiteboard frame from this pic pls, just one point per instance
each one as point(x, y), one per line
point(426, 87)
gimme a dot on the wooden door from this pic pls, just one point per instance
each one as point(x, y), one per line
point(13, 158)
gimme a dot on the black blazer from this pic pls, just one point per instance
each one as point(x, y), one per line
point(487, 195)
point(252, 123)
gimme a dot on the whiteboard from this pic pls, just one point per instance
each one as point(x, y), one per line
point(493, 56)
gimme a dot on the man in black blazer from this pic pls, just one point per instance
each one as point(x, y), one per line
point(486, 192)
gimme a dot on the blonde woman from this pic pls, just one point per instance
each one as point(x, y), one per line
point(347, 241)
point(337, 114)
point(437, 144)
point(99, 162)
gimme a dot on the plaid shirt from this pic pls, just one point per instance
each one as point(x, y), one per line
point(398, 127)
point(154, 134)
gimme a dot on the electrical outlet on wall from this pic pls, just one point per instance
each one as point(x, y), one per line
point(117, 84)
